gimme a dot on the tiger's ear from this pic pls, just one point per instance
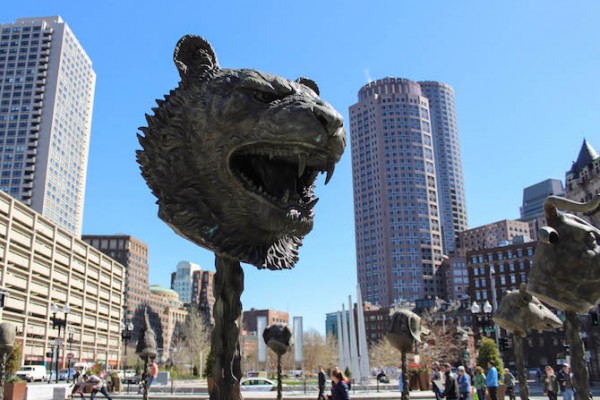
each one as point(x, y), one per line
point(194, 56)
point(310, 84)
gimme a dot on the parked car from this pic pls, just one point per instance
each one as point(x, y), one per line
point(296, 373)
point(535, 374)
point(133, 380)
point(32, 373)
point(63, 374)
point(257, 385)
point(129, 373)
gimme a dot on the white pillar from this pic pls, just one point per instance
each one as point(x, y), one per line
point(340, 340)
point(354, 366)
point(346, 344)
point(362, 338)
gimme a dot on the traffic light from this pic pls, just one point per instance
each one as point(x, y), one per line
point(503, 342)
point(595, 318)
point(567, 349)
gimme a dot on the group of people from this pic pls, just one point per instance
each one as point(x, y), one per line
point(447, 385)
point(340, 385)
point(561, 382)
point(82, 380)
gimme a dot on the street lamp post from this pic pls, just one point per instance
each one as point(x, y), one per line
point(483, 318)
point(70, 341)
point(494, 301)
point(126, 331)
point(59, 323)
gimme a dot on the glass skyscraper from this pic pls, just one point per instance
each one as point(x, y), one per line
point(46, 96)
point(399, 206)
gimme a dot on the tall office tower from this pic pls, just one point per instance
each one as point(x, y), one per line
point(46, 100)
point(202, 294)
point(133, 254)
point(182, 280)
point(396, 209)
point(532, 210)
point(535, 195)
point(448, 162)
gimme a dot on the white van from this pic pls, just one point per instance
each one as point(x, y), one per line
point(32, 373)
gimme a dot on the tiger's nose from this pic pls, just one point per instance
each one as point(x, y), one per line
point(330, 119)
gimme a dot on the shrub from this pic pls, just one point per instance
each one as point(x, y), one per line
point(13, 362)
point(488, 352)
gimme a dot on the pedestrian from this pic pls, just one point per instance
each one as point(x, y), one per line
point(322, 380)
point(551, 384)
point(97, 385)
point(153, 373)
point(437, 380)
point(451, 391)
point(509, 382)
point(479, 383)
point(340, 388)
point(565, 379)
point(78, 383)
point(491, 380)
point(464, 383)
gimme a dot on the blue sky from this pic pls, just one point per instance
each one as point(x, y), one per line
point(525, 75)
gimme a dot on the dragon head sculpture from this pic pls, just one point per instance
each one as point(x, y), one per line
point(520, 312)
point(232, 156)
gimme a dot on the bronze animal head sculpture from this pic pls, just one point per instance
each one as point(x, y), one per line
point(232, 156)
point(277, 337)
point(8, 334)
point(405, 329)
point(519, 312)
point(146, 346)
point(566, 266)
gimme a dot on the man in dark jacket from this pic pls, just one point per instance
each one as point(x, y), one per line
point(451, 386)
point(322, 379)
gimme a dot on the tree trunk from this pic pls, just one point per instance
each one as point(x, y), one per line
point(225, 346)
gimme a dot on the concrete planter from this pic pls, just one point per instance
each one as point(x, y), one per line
point(15, 391)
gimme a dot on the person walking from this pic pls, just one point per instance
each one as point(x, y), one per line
point(437, 380)
point(464, 383)
point(97, 385)
point(322, 380)
point(340, 388)
point(551, 384)
point(451, 391)
point(565, 379)
point(509, 382)
point(491, 380)
point(479, 382)
point(153, 373)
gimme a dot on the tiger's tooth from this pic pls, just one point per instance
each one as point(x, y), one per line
point(301, 164)
point(330, 170)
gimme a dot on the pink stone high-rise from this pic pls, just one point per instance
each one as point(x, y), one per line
point(404, 207)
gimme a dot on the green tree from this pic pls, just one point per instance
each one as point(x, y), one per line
point(489, 352)
point(209, 362)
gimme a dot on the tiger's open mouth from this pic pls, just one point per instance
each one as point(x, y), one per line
point(283, 176)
